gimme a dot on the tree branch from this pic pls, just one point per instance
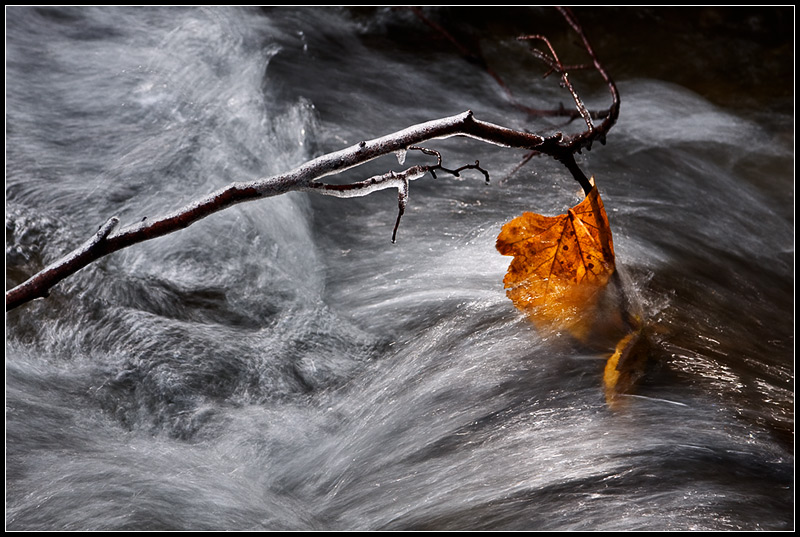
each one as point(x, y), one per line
point(398, 180)
point(305, 178)
point(613, 111)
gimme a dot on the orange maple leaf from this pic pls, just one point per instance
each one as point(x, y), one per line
point(561, 266)
point(561, 263)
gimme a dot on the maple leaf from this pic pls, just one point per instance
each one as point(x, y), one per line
point(561, 263)
point(561, 267)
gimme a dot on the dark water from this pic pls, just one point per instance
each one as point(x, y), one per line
point(282, 365)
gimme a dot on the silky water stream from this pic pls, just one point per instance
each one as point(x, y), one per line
point(283, 365)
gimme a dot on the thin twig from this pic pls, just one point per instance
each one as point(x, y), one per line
point(556, 66)
point(613, 111)
point(476, 57)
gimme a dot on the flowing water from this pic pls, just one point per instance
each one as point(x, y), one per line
point(283, 365)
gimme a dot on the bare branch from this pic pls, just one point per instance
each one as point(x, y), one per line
point(306, 177)
point(474, 55)
point(379, 182)
point(613, 111)
point(398, 180)
point(39, 286)
point(556, 66)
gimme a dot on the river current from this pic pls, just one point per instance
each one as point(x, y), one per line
point(282, 365)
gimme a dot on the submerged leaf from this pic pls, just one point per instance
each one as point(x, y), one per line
point(626, 366)
point(561, 263)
